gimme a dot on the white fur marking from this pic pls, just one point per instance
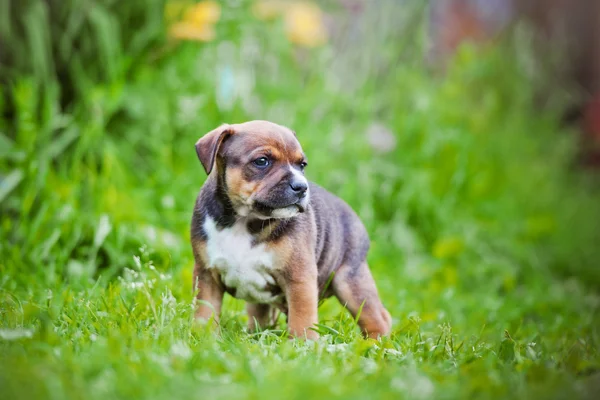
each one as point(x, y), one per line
point(244, 211)
point(241, 266)
point(287, 212)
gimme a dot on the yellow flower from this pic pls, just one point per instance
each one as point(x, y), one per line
point(303, 20)
point(198, 22)
point(304, 24)
point(205, 12)
point(187, 31)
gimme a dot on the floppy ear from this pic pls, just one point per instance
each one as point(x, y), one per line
point(208, 145)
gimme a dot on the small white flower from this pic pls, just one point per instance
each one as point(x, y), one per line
point(16, 333)
point(104, 228)
point(368, 365)
point(137, 261)
point(168, 299)
point(168, 201)
point(136, 285)
point(414, 385)
point(181, 350)
point(337, 348)
point(393, 352)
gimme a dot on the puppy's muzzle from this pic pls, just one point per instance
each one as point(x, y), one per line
point(284, 200)
point(299, 188)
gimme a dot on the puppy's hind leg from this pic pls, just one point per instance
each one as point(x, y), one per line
point(260, 316)
point(354, 287)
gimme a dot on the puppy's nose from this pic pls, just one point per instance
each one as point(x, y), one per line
point(299, 187)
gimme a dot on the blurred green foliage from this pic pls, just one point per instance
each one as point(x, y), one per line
point(76, 43)
point(485, 240)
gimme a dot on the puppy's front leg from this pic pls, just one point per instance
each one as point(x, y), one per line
point(302, 297)
point(209, 292)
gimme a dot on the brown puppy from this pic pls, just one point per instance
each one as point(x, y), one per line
point(262, 233)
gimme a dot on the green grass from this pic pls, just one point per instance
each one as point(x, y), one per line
point(485, 241)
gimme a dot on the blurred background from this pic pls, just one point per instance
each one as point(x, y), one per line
point(441, 122)
point(465, 133)
point(457, 128)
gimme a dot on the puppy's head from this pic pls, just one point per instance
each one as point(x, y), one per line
point(260, 167)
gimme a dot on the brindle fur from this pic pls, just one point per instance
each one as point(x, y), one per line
point(327, 243)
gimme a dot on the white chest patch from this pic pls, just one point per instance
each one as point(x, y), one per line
point(242, 266)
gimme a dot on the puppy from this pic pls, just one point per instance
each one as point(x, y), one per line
point(262, 233)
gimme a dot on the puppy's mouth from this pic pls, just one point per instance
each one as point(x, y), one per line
point(268, 211)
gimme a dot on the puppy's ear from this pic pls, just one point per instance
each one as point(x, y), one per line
point(208, 145)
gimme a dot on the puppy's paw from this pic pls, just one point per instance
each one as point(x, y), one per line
point(380, 324)
point(304, 334)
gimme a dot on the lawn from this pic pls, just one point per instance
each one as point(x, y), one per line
point(485, 236)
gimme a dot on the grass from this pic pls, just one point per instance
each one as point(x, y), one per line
point(485, 241)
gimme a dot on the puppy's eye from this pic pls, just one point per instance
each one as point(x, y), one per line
point(262, 162)
point(303, 165)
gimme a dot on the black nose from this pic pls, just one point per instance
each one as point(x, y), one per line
point(300, 187)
